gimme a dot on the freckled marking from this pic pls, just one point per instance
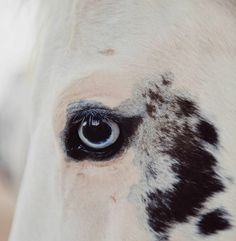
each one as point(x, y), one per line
point(213, 222)
point(155, 96)
point(107, 52)
point(194, 164)
point(151, 110)
point(165, 80)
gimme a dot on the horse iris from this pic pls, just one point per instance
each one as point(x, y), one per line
point(98, 134)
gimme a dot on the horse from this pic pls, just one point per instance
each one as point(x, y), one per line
point(132, 123)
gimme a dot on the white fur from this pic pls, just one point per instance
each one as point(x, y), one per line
point(99, 50)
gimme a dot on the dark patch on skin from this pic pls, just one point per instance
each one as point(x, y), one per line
point(187, 107)
point(154, 96)
point(207, 132)
point(183, 141)
point(214, 222)
point(198, 182)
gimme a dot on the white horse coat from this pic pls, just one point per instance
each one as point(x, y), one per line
point(167, 70)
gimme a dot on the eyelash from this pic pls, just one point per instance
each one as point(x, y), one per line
point(78, 151)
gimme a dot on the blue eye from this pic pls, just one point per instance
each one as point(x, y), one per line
point(98, 134)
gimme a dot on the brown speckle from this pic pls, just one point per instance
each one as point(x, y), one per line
point(151, 110)
point(113, 198)
point(165, 80)
point(155, 96)
point(107, 52)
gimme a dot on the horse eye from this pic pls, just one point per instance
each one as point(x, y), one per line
point(94, 134)
point(98, 134)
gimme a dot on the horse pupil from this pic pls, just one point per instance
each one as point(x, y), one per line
point(97, 133)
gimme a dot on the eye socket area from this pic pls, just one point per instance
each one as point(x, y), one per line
point(97, 133)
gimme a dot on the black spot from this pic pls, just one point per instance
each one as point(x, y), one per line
point(197, 182)
point(187, 107)
point(213, 222)
point(207, 132)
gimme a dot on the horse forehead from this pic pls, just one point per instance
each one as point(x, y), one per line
point(104, 86)
point(100, 22)
point(94, 37)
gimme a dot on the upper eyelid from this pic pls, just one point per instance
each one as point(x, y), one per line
point(125, 110)
point(84, 104)
point(77, 115)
